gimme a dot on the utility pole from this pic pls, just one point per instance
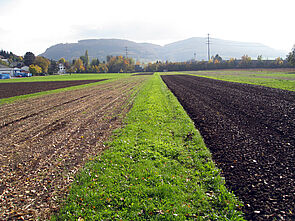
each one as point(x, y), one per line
point(208, 43)
point(195, 55)
point(126, 50)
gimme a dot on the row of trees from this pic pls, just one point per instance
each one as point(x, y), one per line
point(120, 64)
point(216, 62)
point(114, 64)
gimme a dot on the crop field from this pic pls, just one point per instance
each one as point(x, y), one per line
point(249, 130)
point(127, 148)
point(276, 78)
point(22, 88)
point(46, 139)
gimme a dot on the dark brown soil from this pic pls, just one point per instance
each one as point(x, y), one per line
point(21, 88)
point(45, 140)
point(250, 132)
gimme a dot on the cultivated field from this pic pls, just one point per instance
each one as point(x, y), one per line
point(276, 78)
point(250, 133)
point(45, 140)
point(55, 161)
point(22, 88)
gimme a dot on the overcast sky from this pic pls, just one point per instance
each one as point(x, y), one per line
point(34, 25)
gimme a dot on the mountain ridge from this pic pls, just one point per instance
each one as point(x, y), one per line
point(182, 50)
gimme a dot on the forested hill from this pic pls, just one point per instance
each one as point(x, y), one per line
point(178, 51)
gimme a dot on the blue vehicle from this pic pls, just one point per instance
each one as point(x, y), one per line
point(22, 74)
point(4, 76)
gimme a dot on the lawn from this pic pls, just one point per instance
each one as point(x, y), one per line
point(157, 167)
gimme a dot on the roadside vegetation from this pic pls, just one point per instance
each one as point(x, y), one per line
point(157, 168)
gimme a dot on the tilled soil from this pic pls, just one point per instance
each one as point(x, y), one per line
point(44, 141)
point(250, 132)
point(21, 88)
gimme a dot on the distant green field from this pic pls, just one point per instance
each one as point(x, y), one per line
point(275, 78)
point(67, 77)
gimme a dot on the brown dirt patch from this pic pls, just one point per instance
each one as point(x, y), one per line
point(21, 88)
point(46, 140)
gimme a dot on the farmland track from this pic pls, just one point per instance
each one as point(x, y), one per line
point(44, 141)
point(250, 132)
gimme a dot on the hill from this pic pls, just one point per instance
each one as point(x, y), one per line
point(177, 51)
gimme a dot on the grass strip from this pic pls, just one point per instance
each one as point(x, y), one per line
point(157, 168)
point(67, 77)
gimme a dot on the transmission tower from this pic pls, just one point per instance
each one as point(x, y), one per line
point(208, 43)
point(126, 51)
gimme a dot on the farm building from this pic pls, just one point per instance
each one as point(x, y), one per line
point(12, 72)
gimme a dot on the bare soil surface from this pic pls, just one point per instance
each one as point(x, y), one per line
point(44, 141)
point(250, 132)
point(21, 88)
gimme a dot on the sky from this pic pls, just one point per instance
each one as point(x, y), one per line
point(34, 25)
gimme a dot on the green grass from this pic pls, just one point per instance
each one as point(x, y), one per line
point(270, 78)
point(67, 77)
point(157, 168)
point(110, 77)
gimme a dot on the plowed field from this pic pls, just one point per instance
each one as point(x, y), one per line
point(45, 140)
point(21, 88)
point(250, 132)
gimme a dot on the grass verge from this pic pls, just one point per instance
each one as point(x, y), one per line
point(157, 168)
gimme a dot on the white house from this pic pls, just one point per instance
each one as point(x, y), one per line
point(61, 69)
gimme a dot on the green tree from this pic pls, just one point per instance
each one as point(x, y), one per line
point(245, 61)
point(103, 68)
point(94, 62)
point(78, 66)
point(53, 67)
point(29, 58)
point(62, 61)
point(86, 59)
point(35, 69)
point(291, 56)
point(43, 63)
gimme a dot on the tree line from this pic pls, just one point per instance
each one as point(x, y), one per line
point(120, 64)
point(114, 64)
point(216, 62)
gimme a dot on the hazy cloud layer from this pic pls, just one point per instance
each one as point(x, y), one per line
point(34, 25)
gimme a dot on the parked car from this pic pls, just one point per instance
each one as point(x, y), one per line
point(4, 76)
